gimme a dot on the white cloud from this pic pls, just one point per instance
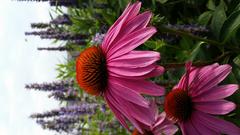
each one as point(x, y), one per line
point(3, 130)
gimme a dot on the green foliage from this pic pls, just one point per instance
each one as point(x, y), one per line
point(66, 71)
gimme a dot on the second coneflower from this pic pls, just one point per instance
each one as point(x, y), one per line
point(117, 72)
point(197, 97)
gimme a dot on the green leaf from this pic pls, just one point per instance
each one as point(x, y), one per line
point(211, 5)
point(155, 45)
point(230, 26)
point(195, 51)
point(186, 43)
point(236, 60)
point(205, 17)
point(162, 1)
point(219, 17)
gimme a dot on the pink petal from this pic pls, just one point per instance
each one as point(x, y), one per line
point(128, 94)
point(135, 59)
point(201, 127)
point(158, 70)
point(216, 124)
point(138, 22)
point(212, 78)
point(130, 12)
point(130, 42)
point(159, 120)
point(131, 72)
point(215, 107)
point(189, 129)
point(142, 86)
point(219, 74)
point(197, 76)
point(132, 111)
point(154, 110)
point(141, 114)
point(118, 115)
point(215, 93)
point(183, 128)
point(122, 109)
point(166, 128)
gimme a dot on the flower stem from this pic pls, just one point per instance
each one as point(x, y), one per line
point(197, 63)
point(187, 34)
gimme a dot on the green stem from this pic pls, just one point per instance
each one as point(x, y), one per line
point(197, 63)
point(187, 34)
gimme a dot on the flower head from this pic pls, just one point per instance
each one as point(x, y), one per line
point(117, 72)
point(197, 96)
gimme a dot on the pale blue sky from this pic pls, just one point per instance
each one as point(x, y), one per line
point(21, 63)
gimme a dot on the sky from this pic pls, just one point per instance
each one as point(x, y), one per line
point(21, 63)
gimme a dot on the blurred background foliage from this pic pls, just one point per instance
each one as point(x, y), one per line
point(205, 32)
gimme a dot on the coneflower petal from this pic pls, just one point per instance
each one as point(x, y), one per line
point(215, 93)
point(138, 22)
point(130, 12)
point(135, 59)
point(128, 94)
point(130, 42)
point(142, 86)
point(216, 124)
point(128, 71)
point(215, 107)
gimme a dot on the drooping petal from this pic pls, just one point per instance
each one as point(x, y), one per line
point(131, 72)
point(122, 109)
point(158, 70)
point(128, 94)
point(202, 128)
point(118, 115)
point(130, 42)
point(135, 59)
point(215, 93)
point(135, 111)
point(141, 86)
point(130, 12)
point(215, 107)
point(189, 129)
point(216, 124)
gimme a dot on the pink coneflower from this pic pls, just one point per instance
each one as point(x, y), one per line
point(197, 96)
point(160, 126)
point(117, 72)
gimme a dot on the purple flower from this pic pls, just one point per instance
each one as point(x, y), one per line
point(60, 48)
point(39, 25)
point(74, 110)
point(97, 39)
point(63, 19)
point(53, 86)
